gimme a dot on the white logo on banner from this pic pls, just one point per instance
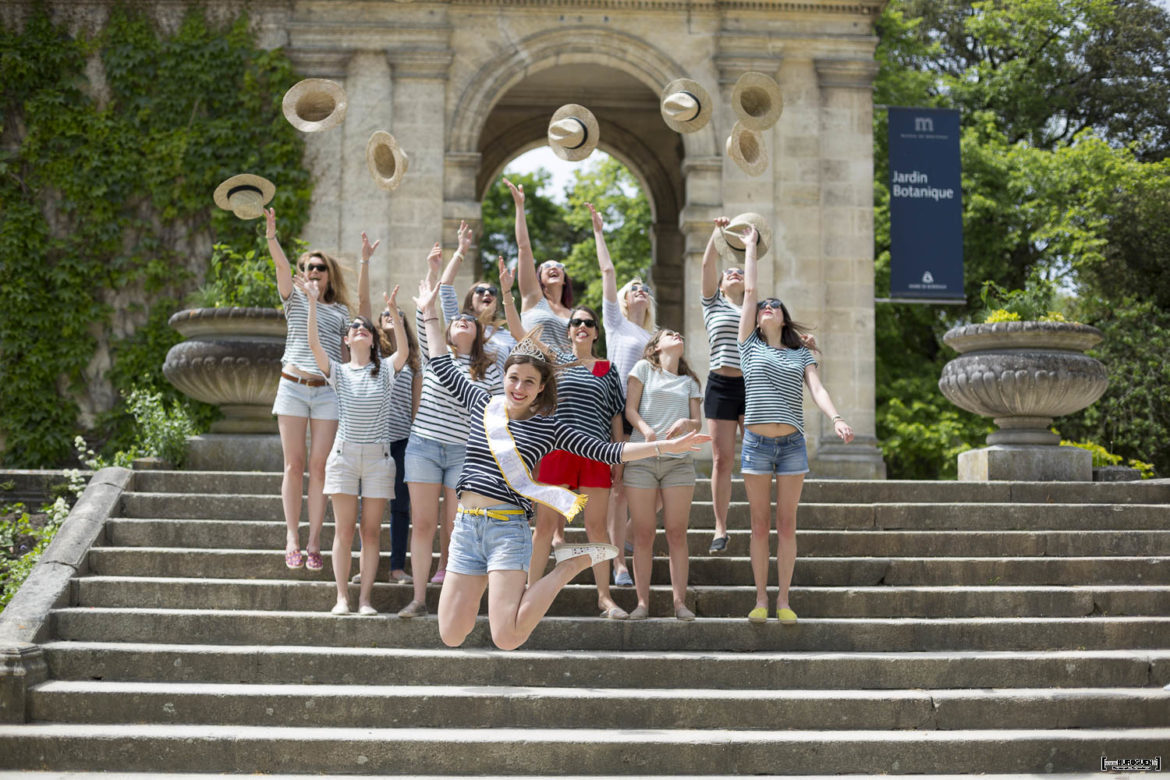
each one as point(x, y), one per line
point(923, 124)
point(928, 278)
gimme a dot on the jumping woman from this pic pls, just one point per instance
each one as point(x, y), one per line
point(776, 366)
point(492, 544)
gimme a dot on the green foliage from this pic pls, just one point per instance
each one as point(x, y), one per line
point(1034, 303)
point(163, 429)
point(1103, 457)
point(921, 433)
point(549, 233)
point(240, 278)
point(106, 193)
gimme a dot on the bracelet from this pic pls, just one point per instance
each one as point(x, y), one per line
point(432, 319)
point(270, 238)
point(658, 449)
point(365, 262)
point(837, 417)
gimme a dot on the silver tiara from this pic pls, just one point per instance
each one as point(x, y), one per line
point(532, 346)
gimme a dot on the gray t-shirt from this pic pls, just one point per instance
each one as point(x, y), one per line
point(666, 399)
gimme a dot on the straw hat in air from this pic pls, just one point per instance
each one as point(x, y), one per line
point(245, 195)
point(686, 106)
point(729, 241)
point(757, 101)
point(313, 105)
point(573, 132)
point(386, 160)
point(746, 147)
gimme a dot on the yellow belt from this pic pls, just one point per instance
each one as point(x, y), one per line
point(498, 514)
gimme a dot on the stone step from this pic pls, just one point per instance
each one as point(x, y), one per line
point(710, 570)
point(270, 535)
point(217, 748)
point(658, 634)
point(581, 600)
point(447, 706)
point(243, 507)
point(129, 661)
point(815, 490)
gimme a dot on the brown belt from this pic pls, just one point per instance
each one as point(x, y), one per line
point(300, 380)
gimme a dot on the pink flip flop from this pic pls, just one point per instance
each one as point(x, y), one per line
point(294, 559)
point(315, 563)
point(440, 575)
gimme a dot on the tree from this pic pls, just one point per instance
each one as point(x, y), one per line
point(551, 237)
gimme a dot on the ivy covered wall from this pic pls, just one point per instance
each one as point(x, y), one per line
point(112, 141)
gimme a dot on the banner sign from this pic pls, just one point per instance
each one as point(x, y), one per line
point(926, 209)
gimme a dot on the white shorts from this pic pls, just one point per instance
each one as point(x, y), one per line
point(369, 464)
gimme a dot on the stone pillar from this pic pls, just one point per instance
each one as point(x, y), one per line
point(416, 209)
point(846, 334)
point(702, 177)
point(323, 157)
point(460, 203)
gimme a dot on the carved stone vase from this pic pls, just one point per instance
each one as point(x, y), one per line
point(230, 358)
point(1022, 375)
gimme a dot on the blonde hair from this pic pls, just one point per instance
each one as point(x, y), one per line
point(651, 317)
point(337, 292)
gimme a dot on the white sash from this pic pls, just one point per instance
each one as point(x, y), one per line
point(515, 471)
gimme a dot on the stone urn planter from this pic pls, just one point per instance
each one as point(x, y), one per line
point(1022, 375)
point(230, 358)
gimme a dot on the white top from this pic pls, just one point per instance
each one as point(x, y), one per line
point(498, 340)
point(556, 330)
point(721, 317)
point(401, 401)
point(332, 321)
point(774, 382)
point(666, 399)
point(624, 341)
point(363, 401)
point(440, 415)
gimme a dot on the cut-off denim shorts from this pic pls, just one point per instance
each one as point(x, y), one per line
point(480, 544)
point(435, 462)
point(780, 455)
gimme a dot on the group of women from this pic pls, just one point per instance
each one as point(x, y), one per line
point(501, 413)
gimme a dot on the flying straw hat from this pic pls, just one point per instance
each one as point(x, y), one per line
point(386, 160)
point(686, 106)
point(756, 100)
point(729, 241)
point(313, 105)
point(747, 148)
point(573, 133)
point(245, 195)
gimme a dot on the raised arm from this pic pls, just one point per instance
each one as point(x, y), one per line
point(525, 262)
point(398, 359)
point(747, 316)
point(710, 283)
point(434, 259)
point(364, 308)
point(604, 262)
point(453, 266)
point(515, 326)
point(428, 319)
point(309, 288)
point(821, 396)
point(284, 277)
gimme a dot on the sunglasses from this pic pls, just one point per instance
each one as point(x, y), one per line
point(577, 322)
point(466, 317)
point(359, 325)
point(769, 303)
point(489, 290)
point(317, 267)
point(553, 264)
point(733, 272)
point(640, 288)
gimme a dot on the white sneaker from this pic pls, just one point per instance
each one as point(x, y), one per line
point(597, 551)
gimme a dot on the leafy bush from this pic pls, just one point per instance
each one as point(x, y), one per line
point(237, 278)
point(25, 536)
point(1034, 303)
point(163, 430)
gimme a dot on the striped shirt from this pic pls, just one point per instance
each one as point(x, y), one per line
point(332, 322)
point(363, 401)
point(721, 317)
point(624, 341)
point(499, 340)
point(555, 332)
point(440, 415)
point(587, 400)
point(401, 403)
point(666, 399)
point(774, 382)
point(535, 437)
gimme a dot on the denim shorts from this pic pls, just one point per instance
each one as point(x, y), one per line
point(297, 400)
point(350, 463)
point(480, 544)
point(433, 461)
point(659, 472)
point(781, 455)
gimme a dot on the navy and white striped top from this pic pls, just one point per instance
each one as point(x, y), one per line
point(497, 341)
point(440, 415)
point(363, 401)
point(535, 437)
point(774, 382)
point(401, 402)
point(586, 401)
point(721, 317)
point(332, 322)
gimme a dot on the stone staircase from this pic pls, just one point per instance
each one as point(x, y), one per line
point(945, 628)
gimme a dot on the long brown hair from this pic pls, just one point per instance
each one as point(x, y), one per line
point(790, 333)
point(546, 400)
point(481, 361)
point(376, 339)
point(336, 292)
point(651, 355)
point(497, 317)
point(596, 327)
point(389, 342)
point(566, 288)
